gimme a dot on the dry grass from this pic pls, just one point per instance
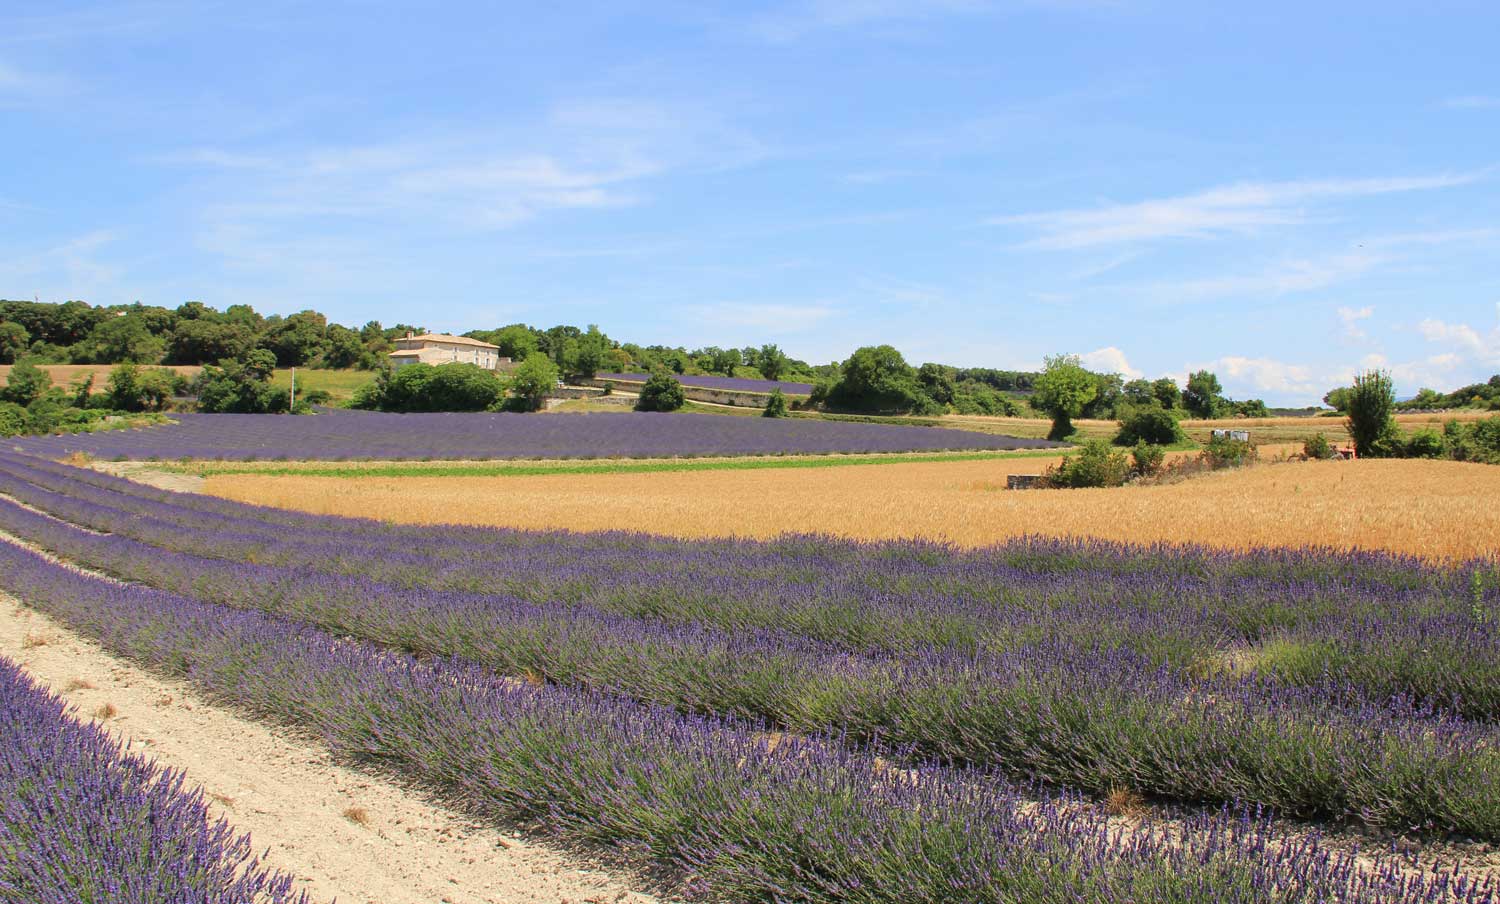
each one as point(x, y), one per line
point(106, 712)
point(78, 684)
point(1125, 802)
point(357, 815)
point(1438, 510)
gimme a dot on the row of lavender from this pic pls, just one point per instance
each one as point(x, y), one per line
point(82, 820)
point(1066, 711)
point(746, 819)
point(1389, 626)
point(385, 436)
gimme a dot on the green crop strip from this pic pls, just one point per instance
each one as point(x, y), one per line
point(610, 466)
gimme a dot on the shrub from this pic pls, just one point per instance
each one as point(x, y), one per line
point(1369, 404)
point(661, 393)
point(12, 419)
point(533, 380)
point(1146, 460)
point(1151, 425)
point(1317, 447)
point(776, 404)
point(1223, 452)
point(1425, 443)
point(1098, 464)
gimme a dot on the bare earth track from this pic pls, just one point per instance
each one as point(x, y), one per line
point(344, 834)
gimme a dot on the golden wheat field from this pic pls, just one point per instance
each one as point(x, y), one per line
point(1433, 509)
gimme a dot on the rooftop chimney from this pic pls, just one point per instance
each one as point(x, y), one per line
point(410, 334)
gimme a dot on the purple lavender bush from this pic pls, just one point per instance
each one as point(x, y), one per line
point(83, 821)
point(739, 817)
point(1088, 680)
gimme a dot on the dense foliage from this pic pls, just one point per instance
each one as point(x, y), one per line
point(1080, 664)
point(660, 392)
point(775, 404)
point(1371, 405)
point(1062, 391)
point(1150, 424)
point(425, 387)
point(82, 820)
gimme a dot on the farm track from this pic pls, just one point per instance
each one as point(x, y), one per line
point(344, 833)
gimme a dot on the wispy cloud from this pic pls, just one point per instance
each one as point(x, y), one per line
point(1472, 102)
point(1281, 278)
point(801, 19)
point(1468, 342)
point(1235, 209)
point(1350, 318)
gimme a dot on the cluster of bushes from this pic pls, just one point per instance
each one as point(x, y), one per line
point(1102, 464)
point(459, 387)
point(29, 403)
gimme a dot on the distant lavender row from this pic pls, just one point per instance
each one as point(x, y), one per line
point(502, 436)
point(81, 820)
point(1056, 703)
point(744, 819)
point(733, 384)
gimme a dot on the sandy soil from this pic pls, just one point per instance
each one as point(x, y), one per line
point(342, 833)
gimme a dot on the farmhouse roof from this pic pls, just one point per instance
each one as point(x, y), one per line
point(450, 340)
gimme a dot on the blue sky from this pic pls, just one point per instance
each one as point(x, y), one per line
point(1281, 192)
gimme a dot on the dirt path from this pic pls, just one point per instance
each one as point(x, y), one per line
point(342, 833)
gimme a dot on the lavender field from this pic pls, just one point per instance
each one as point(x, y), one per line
point(733, 384)
point(1348, 689)
point(81, 820)
point(372, 435)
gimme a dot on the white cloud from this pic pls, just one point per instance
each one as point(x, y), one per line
point(1285, 277)
point(1110, 360)
point(1351, 317)
point(1472, 102)
point(1271, 375)
point(1467, 341)
point(1231, 209)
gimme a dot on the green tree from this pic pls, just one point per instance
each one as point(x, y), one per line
point(119, 339)
point(532, 381)
point(204, 340)
point(344, 348)
point(771, 361)
point(516, 342)
point(661, 393)
point(1062, 389)
point(1337, 399)
point(1138, 392)
point(937, 383)
point(298, 339)
point(14, 340)
point(1371, 422)
point(26, 383)
point(241, 386)
point(877, 378)
point(1202, 396)
point(587, 353)
point(1167, 392)
point(775, 404)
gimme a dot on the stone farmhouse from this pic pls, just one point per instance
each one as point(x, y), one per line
point(440, 348)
